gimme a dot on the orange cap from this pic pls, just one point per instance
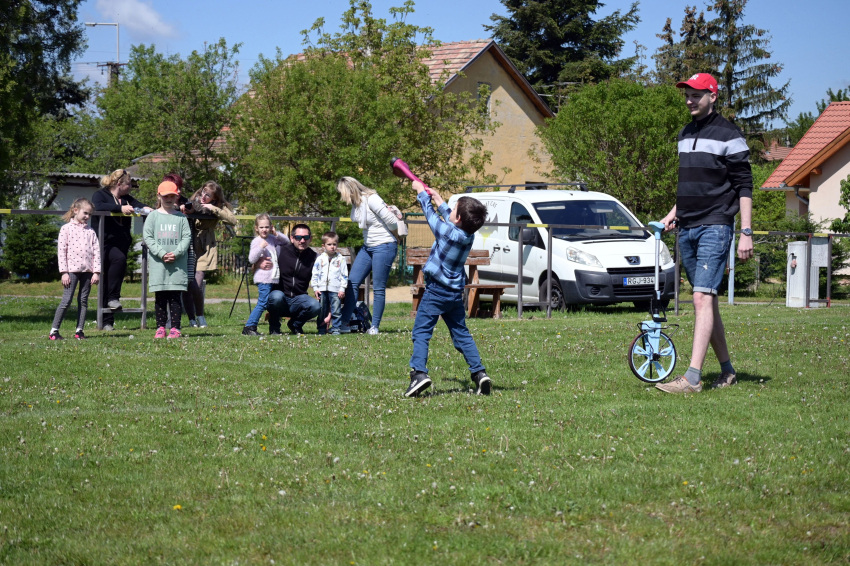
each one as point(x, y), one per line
point(167, 188)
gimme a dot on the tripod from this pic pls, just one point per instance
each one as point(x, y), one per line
point(244, 277)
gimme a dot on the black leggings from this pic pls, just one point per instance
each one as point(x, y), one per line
point(114, 270)
point(168, 300)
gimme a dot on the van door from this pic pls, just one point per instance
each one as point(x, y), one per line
point(492, 239)
point(531, 257)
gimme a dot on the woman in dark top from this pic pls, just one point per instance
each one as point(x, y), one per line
point(114, 196)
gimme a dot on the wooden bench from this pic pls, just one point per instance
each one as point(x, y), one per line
point(417, 257)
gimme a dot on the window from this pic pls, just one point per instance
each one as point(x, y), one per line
point(518, 214)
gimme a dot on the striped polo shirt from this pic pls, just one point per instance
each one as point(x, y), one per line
point(714, 172)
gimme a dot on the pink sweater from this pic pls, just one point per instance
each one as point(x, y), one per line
point(78, 249)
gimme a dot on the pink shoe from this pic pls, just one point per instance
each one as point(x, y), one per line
point(174, 333)
point(160, 332)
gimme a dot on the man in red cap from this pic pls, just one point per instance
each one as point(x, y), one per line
point(715, 183)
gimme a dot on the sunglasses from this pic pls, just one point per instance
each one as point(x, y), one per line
point(299, 238)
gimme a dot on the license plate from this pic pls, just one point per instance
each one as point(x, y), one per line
point(638, 280)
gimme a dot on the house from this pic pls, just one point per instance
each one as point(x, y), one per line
point(776, 152)
point(68, 187)
point(812, 172)
point(513, 102)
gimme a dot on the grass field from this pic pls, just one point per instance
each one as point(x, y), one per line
point(221, 449)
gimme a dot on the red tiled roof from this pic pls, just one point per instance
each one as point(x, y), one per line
point(829, 133)
point(454, 56)
point(777, 152)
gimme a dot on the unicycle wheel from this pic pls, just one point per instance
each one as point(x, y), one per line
point(648, 365)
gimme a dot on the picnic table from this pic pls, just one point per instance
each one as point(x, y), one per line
point(417, 257)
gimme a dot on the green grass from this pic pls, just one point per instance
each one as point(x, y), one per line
point(302, 450)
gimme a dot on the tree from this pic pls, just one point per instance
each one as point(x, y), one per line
point(169, 106)
point(796, 129)
point(746, 95)
point(559, 41)
point(620, 138)
point(693, 53)
point(38, 40)
point(29, 246)
point(843, 224)
point(345, 106)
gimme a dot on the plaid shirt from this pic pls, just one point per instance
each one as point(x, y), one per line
point(450, 249)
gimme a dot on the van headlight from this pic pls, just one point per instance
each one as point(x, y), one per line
point(665, 254)
point(584, 258)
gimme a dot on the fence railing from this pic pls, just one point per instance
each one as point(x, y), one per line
point(414, 224)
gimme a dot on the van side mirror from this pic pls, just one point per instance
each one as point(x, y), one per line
point(531, 237)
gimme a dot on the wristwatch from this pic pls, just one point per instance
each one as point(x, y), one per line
point(747, 232)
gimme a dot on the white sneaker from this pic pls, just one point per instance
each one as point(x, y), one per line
point(372, 331)
point(202, 321)
point(193, 323)
point(108, 328)
point(114, 305)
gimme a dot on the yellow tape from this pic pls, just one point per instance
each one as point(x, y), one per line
point(538, 225)
point(619, 227)
point(244, 217)
point(761, 232)
point(345, 220)
point(5, 211)
point(821, 235)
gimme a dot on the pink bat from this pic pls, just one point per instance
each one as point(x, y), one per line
point(401, 169)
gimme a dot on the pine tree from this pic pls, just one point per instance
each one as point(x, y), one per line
point(559, 41)
point(693, 53)
point(746, 95)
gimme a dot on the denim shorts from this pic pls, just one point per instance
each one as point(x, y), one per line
point(705, 251)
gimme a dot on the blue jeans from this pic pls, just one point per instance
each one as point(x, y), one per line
point(263, 290)
point(705, 252)
point(299, 309)
point(330, 303)
point(448, 303)
point(377, 260)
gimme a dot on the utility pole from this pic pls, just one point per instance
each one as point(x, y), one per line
point(113, 67)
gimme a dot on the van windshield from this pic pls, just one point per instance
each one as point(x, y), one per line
point(589, 212)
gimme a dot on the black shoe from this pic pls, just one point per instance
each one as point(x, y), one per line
point(79, 335)
point(482, 382)
point(419, 382)
point(275, 332)
point(55, 336)
point(293, 327)
point(250, 331)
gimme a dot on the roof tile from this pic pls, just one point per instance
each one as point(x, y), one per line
point(834, 121)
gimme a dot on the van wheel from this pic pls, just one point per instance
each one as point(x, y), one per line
point(557, 295)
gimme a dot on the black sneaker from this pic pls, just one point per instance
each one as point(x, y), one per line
point(482, 382)
point(293, 327)
point(55, 336)
point(419, 382)
point(250, 331)
point(79, 335)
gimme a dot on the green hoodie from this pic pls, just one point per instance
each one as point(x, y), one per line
point(167, 233)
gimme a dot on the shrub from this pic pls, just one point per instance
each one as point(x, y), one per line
point(29, 246)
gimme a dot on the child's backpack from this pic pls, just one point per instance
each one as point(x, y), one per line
point(361, 318)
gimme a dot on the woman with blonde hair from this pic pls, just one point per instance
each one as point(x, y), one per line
point(380, 246)
point(114, 196)
point(209, 199)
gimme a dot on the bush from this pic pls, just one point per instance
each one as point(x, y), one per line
point(29, 247)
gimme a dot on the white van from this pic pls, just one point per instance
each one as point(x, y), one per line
point(589, 266)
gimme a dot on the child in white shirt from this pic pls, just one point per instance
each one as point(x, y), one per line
point(330, 277)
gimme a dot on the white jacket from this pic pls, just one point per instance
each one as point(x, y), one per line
point(376, 220)
point(329, 274)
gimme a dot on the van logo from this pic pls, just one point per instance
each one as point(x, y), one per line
point(633, 259)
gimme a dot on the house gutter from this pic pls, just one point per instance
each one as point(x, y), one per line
point(796, 194)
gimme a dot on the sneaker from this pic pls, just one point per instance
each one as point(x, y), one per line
point(79, 335)
point(114, 305)
point(344, 329)
point(374, 330)
point(482, 382)
point(679, 385)
point(193, 323)
point(107, 328)
point(250, 331)
point(419, 382)
point(725, 380)
point(160, 332)
point(55, 336)
point(202, 321)
point(175, 333)
point(293, 327)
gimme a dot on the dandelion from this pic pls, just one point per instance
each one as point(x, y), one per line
point(684, 483)
point(177, 508)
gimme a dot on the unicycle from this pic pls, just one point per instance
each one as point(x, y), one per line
point(652, 355)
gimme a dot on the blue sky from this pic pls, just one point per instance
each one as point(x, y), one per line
point(808, 38)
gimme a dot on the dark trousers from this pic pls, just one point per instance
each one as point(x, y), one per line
point(114, 270)
point(168, 300)
point(84, 281)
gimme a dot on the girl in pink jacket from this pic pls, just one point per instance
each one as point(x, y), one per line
point(79, 263)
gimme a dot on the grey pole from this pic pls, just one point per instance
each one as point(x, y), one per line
point(100, 289)
point(678, 272)
point(731, 263)
point(808, 268)
point(549, 273)
point(519, 276)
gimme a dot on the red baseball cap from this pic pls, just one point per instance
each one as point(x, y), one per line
point(700, 81)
